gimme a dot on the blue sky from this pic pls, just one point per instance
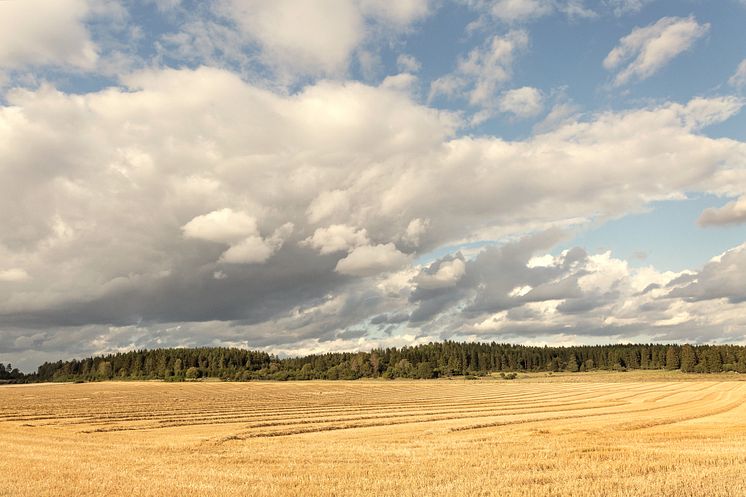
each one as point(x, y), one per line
point(646, 238)
point(305, 176)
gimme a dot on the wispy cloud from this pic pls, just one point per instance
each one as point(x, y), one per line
point(646, 50)
point(739, 77)
point(480, 74)
point(522, 102)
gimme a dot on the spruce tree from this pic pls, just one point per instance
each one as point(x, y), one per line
point(688, 359)
point(672, 358)
point(714, 361)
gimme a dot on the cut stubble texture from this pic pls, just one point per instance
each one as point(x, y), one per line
point(531, 437)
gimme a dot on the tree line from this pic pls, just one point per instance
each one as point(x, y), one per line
point(9, 374)
point(430, 360)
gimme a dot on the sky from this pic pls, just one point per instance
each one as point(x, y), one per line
point(304, 176)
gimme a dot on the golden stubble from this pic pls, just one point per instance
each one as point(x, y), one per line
point(581, 435)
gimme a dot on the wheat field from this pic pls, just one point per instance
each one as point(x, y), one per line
point(530, 437)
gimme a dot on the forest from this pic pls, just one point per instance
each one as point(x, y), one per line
point(430, 360)
point(9, 374)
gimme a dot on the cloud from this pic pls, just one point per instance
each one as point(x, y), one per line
point(46, 33)
point(496, 272)
point(240, 231)
point(13, 274)
point(167, 205)
point(623, 7)
point(401, 14)
point(721, 278)
point(646, 50)
point(522, 102)
point(403, 82)
point(337, 237)
point(327, 204)
point(408, 63)
point(492, 64)
point(323, 44)
point(369, 260)
point(513, 293)
point(224, 225)
point(521, 11)
point(165, 5)
point(483, 70)
point(249, 250)
point(483, 284)
point(442, 275)
point(255, 249)
point(416, 230)
point(320, 44)
point(576, 9)
point(738, 79)
point(573, 297)
point(560, 114)
point(731, 213)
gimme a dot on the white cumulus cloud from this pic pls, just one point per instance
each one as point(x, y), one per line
point(224, 225)
point(45, 32)
point(447, 274)
point(337, 237)
point(239, 230)
point(370, 260)
point(253, 249)
point(312, 37)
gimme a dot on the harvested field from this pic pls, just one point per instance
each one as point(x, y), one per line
point(530, 437)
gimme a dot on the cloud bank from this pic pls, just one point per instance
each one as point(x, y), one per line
point(304, 177)
point(308, 212)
